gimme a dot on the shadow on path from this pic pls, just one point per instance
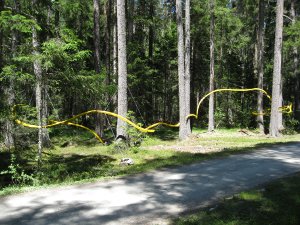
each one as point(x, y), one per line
point(152, 197)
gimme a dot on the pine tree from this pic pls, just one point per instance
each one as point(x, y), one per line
point(296, 64)
point(211, 125)
point(260, 63)
point(122, 68)
point(37, 68)
point(187, 64)
point(181, 75)
point(277, 80)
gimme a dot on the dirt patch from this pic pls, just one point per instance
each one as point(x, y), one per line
point(186, 148)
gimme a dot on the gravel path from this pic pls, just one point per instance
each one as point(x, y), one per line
point(151, 198)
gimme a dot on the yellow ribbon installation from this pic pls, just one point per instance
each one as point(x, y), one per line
point(149, 129)
point(226, 89)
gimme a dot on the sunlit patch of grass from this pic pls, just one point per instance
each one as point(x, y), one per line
point(277, 203)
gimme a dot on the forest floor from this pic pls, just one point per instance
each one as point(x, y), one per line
point(158, 196)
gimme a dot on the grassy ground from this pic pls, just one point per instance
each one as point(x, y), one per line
point(77, 157)
point(276, 203)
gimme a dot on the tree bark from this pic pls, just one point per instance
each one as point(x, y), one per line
point(181, 73)
point(2, 3)
point(37, 68)
point(9, 139)
point(211, 125)
point(276, 86)
point(107, 40)
point(260, 63)
point(96, 6)
point(187, 82)
point(130, 20)
point(56, 17)
point(115, 42)
point(122, 68)
point(97, 62)
point(296, 65)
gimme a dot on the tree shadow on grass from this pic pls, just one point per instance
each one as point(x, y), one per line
point(5, 162)
point(74, 167)
point(166, 134)
point(277, 203)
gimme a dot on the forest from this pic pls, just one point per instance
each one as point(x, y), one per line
point(147, 61)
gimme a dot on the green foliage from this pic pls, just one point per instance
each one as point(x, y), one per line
point(293, 36)
point(291, 125)
point(17, 174)
point(11, 72)
point(63, 51)
point(134, 137)
point(17, 22)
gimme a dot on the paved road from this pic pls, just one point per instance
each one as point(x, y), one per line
point(151, 198)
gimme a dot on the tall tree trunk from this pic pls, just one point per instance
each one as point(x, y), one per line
point(130, 20)
point(107, 50)
point(107, 40)
point(44, 88)
point(37, 68)
point(296, 65)
point(45, 114)
point(151, 30)
point(122, 68)
point(9, 138)
point(211, 125)
point(181, 76)
point(276, 87)
point(260, 63)
point(149, 106)
point(96, 6)
point(115, 41)
point(56, 17)
point(187, 82)
point(97, 62)
point(2, 2)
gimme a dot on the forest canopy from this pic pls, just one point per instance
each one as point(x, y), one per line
point(62, 58)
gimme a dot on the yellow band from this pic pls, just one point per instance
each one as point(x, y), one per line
point(149, 129)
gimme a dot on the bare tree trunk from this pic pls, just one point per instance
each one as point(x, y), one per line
point(56, 17)
point(188, 65)
point(122, 68)
point(44, 88)
point(260, 63)
point(96, 6)
point(211, 123)
point(130, 19)
point(97, 62)
point(37, 68)
point(115, 43)
point(9, 139)
point(276, 87)
point(181, 76)
point(149, 97)
point(296, 65)
point(107, 40)
point(107, 50)
point(2, 3)
point(45, 113)
point(280, 119)
point(115, 50)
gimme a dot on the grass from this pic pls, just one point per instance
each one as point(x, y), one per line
point(276, 203)
point(76, 157)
